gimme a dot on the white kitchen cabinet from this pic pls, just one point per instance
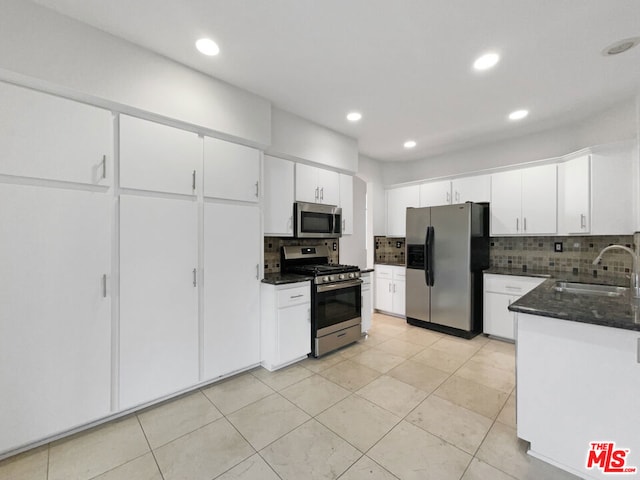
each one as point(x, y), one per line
point(231, 171)
point(278, 197)
point(613, 204)
point(398, 200)
point(346, 203)
point(233, 242)
point(286, 324)
point(55, 311)
point(390, 282)
point(471, 189)
point(435, 193)
point(317, 185)
point(367, 305)
point(574, 205)
point(500, 291)
point(158, 297)
point(44, 136)
point(577, 383)
point(159, 158)
point(524, 202)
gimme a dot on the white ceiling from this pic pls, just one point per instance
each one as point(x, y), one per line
point(405, 64)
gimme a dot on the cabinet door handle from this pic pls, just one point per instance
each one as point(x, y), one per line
point(290, 226)
point(193, 181)
point(394, 288)
point(104, 285)
point(257, 271)
point(317, 193)
point(389, 288)
point(104, 167)
point(457, 197)
point(517, 224)
point(344, 225)
point(257, 188)
point(524, 221)
point(195, 281)
point(448, 197)
point(583, 223)
point(322, 193)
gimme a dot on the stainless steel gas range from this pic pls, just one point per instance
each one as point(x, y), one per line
point(336, 297)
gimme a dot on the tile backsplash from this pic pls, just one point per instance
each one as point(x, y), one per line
point(272, 250)
point(538, 253)
point(578, 253)
point(389, 250)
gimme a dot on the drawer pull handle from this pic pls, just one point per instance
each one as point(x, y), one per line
point(513, 288)
point(341, 335)
point(297, 296)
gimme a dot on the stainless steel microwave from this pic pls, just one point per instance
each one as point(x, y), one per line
point(314, 220)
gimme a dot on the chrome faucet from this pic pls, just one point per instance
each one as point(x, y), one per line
point(635, 275)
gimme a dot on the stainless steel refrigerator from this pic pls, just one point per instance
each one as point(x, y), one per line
point(447, 249)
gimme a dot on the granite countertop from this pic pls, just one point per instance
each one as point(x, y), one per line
point(517, 271)
point(617, 312)
point(395, 264)
point(366, 270)
point(563, 276)
point(283, 278)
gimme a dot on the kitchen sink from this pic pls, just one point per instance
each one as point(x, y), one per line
point(590, 289)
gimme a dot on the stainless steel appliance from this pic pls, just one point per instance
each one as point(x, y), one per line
point(314, 220)
point(447, 249)
point(336, 296)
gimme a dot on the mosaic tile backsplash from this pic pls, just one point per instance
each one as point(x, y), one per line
point(539, 253)
point(577, 255)
point(389, 250)
point(272, 250)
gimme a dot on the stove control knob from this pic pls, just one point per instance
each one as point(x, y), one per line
point(331, 278)
point(351, 275)
point(325, 279)
point(341, 276)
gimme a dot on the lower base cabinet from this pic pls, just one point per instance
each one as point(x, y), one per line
point(391, 289)
point(500, 291)
point(367, 305)
point(286, 324)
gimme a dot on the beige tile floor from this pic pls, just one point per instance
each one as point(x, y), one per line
point(403, 403)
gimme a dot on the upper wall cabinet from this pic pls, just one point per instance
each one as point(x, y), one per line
point(595, 192)
point(471, 189)
point(523, 202)
point(398, 200)
point(43, 136)
point(278, 197)
point(231, 171)
point(435, 193)
point(317, 185)
point(574, 207)
point(159, 158)
point(346, 203)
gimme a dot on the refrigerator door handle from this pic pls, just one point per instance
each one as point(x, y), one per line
point(426, 256)
point(429, 256)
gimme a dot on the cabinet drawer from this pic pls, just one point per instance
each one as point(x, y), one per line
point(294, 296)
point(366, 280)
point(384, 271)
point(399, 273)
point(510, 284)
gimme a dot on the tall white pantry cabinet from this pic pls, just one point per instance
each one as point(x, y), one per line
point(115, 288)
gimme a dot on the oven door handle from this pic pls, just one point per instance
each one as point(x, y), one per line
point(338, 286)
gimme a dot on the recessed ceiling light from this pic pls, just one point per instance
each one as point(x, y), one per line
point(486, 61)
point(621, 46)
point(206, 46)
point(409, 144)
point(354, 116)
point(518, 114)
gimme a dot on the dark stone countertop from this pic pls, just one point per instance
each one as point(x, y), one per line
point(284, 278)
point(366, 270)
point(563, 276)
point(394, 264)
point(519, 272)
point(617, 312)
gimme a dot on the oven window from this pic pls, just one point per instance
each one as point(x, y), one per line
point(337, 306)
point(316, 222)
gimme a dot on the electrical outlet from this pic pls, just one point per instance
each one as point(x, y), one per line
point(335, 246)
point(398, 244)
point(557, 247)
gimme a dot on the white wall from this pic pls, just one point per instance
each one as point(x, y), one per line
point(614, 124)
point(43, 49)
point(353, 248)
point(296, 138)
